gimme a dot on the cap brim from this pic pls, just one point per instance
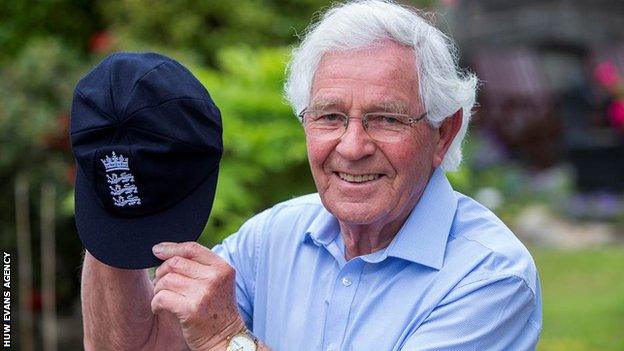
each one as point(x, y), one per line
point(127, 242)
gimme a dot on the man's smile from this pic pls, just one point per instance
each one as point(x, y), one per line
point(358, 178)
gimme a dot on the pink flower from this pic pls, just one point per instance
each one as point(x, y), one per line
point(615, 113)
point(606, 73)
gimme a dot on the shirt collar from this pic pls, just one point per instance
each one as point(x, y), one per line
point(323, 229)
point(423, 237)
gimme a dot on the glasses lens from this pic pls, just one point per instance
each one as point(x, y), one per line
point(324, 124)
point(387, 127)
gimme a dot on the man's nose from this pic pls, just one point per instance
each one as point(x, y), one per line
point(355, 142)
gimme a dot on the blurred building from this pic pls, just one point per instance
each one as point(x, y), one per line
point(543, 97)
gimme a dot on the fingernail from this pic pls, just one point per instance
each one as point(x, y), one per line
point(158, 249)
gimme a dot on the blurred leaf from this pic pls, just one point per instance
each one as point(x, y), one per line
point(264, 159)
point(37, 91)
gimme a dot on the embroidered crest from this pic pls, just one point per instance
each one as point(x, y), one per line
point(121, 181)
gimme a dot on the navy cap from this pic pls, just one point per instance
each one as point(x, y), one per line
point(147, 140)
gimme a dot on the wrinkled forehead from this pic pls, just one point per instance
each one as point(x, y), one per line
point(386, 70)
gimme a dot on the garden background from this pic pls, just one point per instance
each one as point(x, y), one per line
point(545, 152)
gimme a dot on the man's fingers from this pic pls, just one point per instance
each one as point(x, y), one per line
point(182, 266)
point(190, 250)
point(167, 300)
point(177, 283)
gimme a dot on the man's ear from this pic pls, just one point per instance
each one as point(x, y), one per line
point(447, 132)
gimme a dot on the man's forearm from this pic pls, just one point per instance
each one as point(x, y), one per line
point(117, 313)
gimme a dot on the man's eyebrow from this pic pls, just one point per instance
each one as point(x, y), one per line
point(324, 104)
point(393, 106)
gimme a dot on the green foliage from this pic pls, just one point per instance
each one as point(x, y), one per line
point(21, 21)
point(37, 90)
point(583, 297)
point(264, 161)
point(205, 26)
point(34, 111)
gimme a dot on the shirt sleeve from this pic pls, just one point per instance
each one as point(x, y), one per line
point(240, 250)
point(488, 314)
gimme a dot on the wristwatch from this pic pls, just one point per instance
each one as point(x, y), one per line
point(244, 340)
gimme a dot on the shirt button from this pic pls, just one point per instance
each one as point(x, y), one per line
point(346, 281)
point(330, 347)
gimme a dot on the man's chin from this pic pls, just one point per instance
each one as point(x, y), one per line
point(354, 213)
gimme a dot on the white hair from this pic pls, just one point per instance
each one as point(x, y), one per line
point(444, 87)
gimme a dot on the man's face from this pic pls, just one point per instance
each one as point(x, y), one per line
point(355, 82)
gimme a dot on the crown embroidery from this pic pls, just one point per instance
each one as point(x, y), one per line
point(115, 163)
point(121, 184)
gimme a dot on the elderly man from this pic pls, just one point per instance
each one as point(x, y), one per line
point(385, 257)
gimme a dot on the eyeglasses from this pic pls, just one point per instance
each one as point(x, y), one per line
point(380, 126)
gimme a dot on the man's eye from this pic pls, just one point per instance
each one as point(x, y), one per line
point(384, 120)
point(329, 117)
point(390, 120)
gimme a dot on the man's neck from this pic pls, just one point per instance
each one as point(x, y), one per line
point(362, 239)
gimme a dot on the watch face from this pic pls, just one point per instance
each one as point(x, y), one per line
point(241, 342)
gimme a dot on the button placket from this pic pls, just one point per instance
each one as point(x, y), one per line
point(340, 302)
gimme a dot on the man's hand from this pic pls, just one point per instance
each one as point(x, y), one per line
point(198, 288)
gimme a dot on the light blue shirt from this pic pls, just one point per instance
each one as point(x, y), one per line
point(454, 278)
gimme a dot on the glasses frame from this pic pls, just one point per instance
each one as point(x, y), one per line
point(411, 120)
